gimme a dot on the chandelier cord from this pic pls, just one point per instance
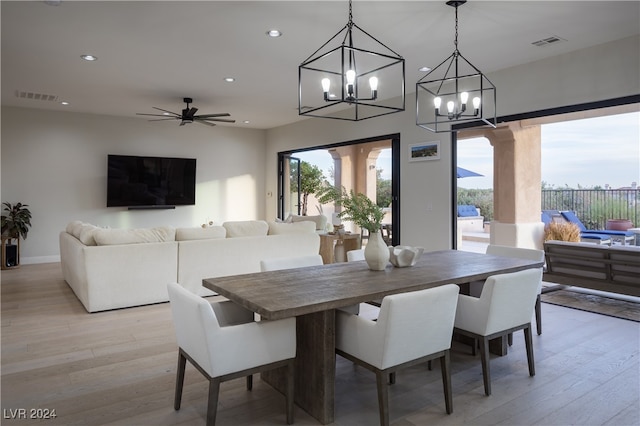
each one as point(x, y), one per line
point(455, 41)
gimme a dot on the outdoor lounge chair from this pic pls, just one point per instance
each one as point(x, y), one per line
point(626, 237)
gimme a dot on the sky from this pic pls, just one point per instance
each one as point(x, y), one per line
point(591, 152)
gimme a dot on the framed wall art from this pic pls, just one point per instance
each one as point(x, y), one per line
point(424, 151)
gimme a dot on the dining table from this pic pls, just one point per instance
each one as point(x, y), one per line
point(312, 294)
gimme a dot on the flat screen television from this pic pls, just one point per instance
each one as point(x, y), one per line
point(134, 181)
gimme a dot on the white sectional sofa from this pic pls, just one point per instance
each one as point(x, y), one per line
point(119, 268)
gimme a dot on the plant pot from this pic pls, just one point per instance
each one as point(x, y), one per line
point(618, 224)
point(376, 252)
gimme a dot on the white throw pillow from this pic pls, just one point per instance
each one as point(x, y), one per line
point(277, 228)
point(86, 234)
point(74, 227)
point(200, 233)
point(246, 228)
point(106, 237)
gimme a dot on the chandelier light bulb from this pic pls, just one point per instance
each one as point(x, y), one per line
point(373, 82)
point(450, 106)
point(437, 102)
point(464, 97)
point(476, 102)
point(351, 76)
point(326, 85)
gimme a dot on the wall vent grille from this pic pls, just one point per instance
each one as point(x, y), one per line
point(36, 96)
point(548, 40)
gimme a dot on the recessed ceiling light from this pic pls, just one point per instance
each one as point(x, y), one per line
point(64, 103)
point(274, 33)
point(424, 69)
point(229, 79)
point(89, 57)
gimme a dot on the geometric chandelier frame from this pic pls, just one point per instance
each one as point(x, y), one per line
point(454, 92)
point(343, 81)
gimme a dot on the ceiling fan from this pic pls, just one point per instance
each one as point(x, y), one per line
point(189, 115)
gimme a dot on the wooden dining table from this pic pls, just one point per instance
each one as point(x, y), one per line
point(312, 295)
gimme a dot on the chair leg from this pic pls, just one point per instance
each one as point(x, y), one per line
point(392, 378)
point(383, 398)
point(474, 345)
point(429, 366)
point(484, 358)
point(182, 363)
point(212, 406)
point(529, 346)
point(510, 339)
point(446, 381)
point(250, 382)
point(290, 391)
point(538, 316)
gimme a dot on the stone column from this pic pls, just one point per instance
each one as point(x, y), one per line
point(516, 185)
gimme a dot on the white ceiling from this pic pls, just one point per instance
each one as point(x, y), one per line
point(156, 53)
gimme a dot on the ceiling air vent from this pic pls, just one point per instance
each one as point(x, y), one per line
point(35, 96)
point(548, 40)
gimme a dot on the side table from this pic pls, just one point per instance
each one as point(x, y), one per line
point(329, 250)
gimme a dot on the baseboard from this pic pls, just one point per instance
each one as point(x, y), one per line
point(39, 259)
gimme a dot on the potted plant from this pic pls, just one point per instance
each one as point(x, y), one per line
point(15, 225)
point(359, 209)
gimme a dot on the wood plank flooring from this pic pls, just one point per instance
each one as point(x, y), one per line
point(118, 368)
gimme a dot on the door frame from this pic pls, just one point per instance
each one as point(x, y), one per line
point(395, 175)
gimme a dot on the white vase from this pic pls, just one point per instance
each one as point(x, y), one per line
point(376, 252)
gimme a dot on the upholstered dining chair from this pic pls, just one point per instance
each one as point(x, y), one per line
point(412, 328)
point(527, 254)
point(221, 340)
point(505, 305)
point(300, 262)
point(355, 255)
point(290, 262)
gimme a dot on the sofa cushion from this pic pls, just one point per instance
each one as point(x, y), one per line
point(277, 228)
point(200, 233)
point(467, 210)
point(246, 228)
point(106, 237)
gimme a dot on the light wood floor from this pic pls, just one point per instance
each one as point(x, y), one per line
point(118, 368)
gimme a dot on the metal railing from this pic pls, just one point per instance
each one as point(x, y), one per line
point(595, 206)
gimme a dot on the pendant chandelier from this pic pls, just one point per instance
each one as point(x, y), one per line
point(454, 92)
point(345, 82)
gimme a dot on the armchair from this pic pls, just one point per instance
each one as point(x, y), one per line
point(412, 328)
point(505, 305)
point(223, 343)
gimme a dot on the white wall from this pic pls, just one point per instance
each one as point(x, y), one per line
point(57, 163)
point(599, 73)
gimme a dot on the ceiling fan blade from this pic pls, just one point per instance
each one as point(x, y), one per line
point(164, 110)
point(223, 114)
point(221, 120)
point(192, 112)
point(163, 119)
point(157, 115)
point(205, 122)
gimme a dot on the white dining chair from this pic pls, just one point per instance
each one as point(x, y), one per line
point(355, 255)
point(526, 254)
point(505, 305)
point(221, 340)
point(301, 262)
point(412, 328)
point(290, 262)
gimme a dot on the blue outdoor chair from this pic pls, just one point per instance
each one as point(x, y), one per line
point(626, 237)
